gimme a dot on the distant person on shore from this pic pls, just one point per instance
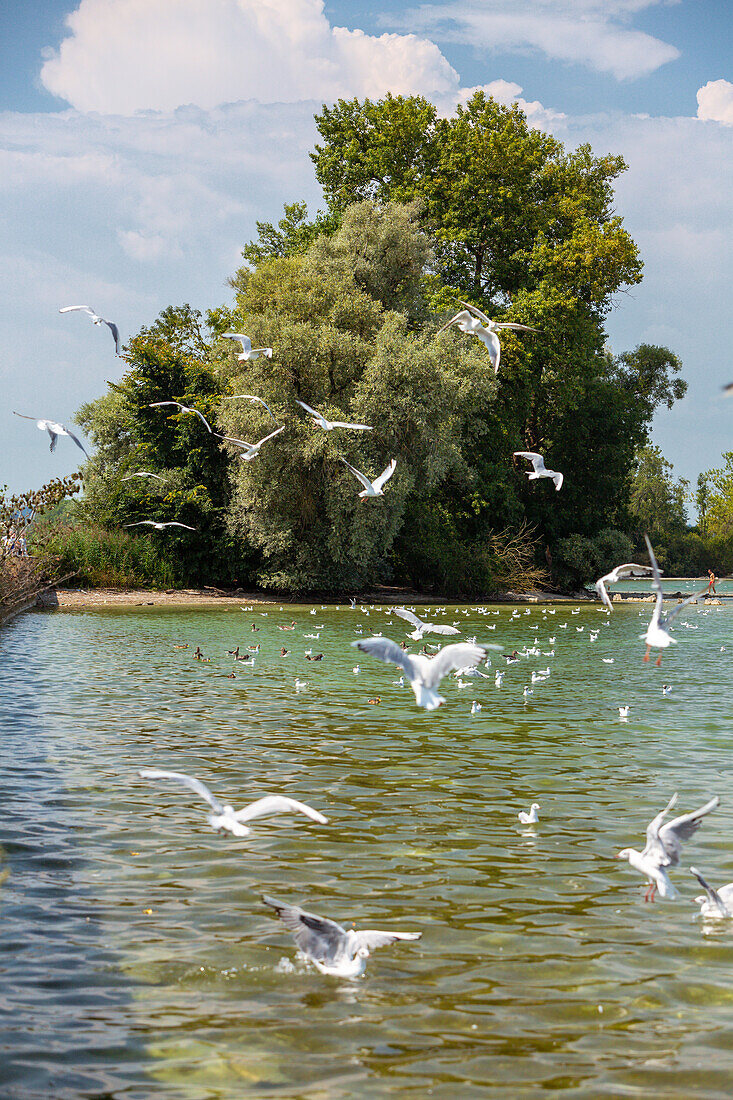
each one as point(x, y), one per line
point(711, 583)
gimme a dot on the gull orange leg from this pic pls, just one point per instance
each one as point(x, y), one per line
point(658, 661)
point(646, 655)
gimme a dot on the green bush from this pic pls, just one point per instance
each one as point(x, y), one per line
point(111, 559)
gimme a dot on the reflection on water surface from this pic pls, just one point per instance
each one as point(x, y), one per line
point(136, 959)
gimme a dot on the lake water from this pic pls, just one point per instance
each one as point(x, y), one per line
point(137, 960)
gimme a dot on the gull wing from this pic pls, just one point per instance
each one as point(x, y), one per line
point(308, 409)
point(652, 829)
point(189, 781)
point(672, 835)
point(354, 427)
point(79, 445)
point(244, 340)
point(278, 804)
point(513, 325)
point(202, 418)
point(491, 340)
point(558, 479)
point(157, 404)
point(433, 628)
point(462, 655)
point(656, 580)
point(24, 417)
point(140, 523)
point(358, 474)
point(602, 593)
point(673, 612)
point(54, 437)
point(270, 436)
point(315, 936)
point(251, 397)
point(385, 475)
point(371, 938)
point(449, 323)
point(384, 649)
point(713, 896)
point(403, 613)
point(116, 334)
point(477, 313)
point(175, 523)
point(143, 473)
point(70, 309)
point(236, 442)
point(537, 460)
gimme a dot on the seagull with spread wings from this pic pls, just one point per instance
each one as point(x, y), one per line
point(329, 425)
point(421, 627)
point(664, 846)
point(225, 817)
point(142, 473)
point(619, 574)
point(250, 450)
point(714, 903)
point(253, 401)
point(657, 634)
point(472, 321)
point(158, 526)
point(53, 429)
point(539, 468)
point(183, 409)
point(96, 320)
point(425, 673)
point(248, 352)
point(330, 948)
point(372, 488)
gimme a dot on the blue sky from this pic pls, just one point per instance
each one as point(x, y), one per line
point(135, 160)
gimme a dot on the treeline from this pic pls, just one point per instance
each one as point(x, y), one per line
point(422, 214)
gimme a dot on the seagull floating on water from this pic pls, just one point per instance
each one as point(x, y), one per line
point(225, 817)
point(329, 425)
point(714, 903)
point(96, 320)
point(248, 352)
point(472, 321)
point(330, 947)
point(372, 488)
point(657, 635)
point(663, 847)
point(540, 469)
point(530, 818)
point(422, 627)
point(53, 429)
point(424, 673)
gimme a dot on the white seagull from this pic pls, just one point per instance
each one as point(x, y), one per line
point(373, 488)
point(248, 352)
point(657, 635)
point(329, 425)
point(253, 400)
point(540, 470)
point(158, 526)
point(476, 323)
point(421, 627)
point(250, 450)
point(142, 473)
point(330, 947)
point(183, 409)
point(663, 847)
point(530, 818)
point(225, 817)
point(714, 903)
point(97, 320)
point(424, 673)
point(619, 574)
point(53, 429)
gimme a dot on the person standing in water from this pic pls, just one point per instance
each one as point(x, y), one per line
point(711, 583)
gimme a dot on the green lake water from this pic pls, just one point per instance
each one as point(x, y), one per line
point(137, 960)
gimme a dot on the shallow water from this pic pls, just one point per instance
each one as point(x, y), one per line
point(137, 960)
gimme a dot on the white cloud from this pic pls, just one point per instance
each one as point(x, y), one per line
point(124, 56)
point(504, 91)
point(594, 33)
point(715, 102)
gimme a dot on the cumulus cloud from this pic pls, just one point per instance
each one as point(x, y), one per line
point(593, 33)
point(124, 56)
point(715, 102)
point(504, 91)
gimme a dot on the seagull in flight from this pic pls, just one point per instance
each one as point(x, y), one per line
point(421, 627)
point(425, 673)
point(225, 817)
point(373, 488)
point(329, 425)
point(248, 352)
point(183, 409)
point(664, 846)
point(475, 323)
point(158, 526)
point(253, 401)
point(540, 470)
point(330, 947)
point(714, 903)
point(250, 450)
point(657, 635)
point(97, 320)
point(619, 574)
point(53, 429)
point(142, 473)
